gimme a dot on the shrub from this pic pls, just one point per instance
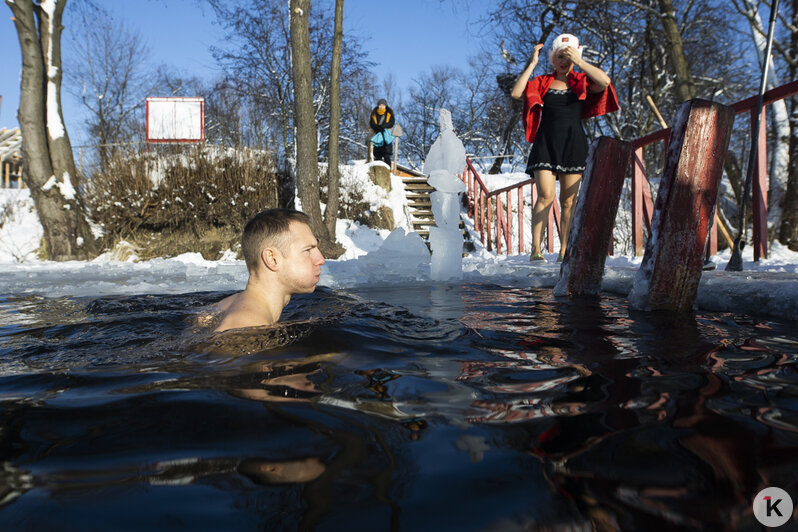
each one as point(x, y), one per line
point(180, 193)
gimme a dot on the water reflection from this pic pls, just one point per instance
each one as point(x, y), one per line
point(435, 407)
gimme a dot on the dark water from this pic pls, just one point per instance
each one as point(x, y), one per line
point(406, 408)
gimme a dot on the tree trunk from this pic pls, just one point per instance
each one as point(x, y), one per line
point(779, 161)
point(515, 115)
point(788, 232)
point(50, 168)
point(685, 87)
point(307, 166)
point(333, 173)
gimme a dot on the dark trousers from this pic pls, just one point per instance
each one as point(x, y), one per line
point(383, 153)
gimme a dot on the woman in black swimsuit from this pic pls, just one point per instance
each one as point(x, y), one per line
point(554, 106)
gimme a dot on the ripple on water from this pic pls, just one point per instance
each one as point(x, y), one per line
point(376, 406)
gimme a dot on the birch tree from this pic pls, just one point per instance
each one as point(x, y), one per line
point(50, 171)
point(780, 155)
point(788, 232)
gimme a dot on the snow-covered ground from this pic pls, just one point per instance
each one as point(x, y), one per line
point(768, 287)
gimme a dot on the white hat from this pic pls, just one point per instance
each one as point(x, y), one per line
point(562, 41)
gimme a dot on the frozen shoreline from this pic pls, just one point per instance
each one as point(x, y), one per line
point(759, 292)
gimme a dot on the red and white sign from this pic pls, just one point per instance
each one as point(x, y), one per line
point(175, 119)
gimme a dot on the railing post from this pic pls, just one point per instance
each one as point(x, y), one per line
point(480, 215)
point(520, 220)
point(712, 245)
point(671, 269)
point(508, 228)
point(534, 197)
point(489, 217)
point(642, 204)
point(596, 206)
point(759, 195)
point(499, 225)
point(472, 194)
point(638, 182)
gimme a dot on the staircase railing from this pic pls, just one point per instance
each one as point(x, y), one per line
point(493, 229)
point(492, 212)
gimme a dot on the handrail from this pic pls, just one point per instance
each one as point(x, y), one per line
point(481, 202)
point(512, 187)
point(773, 95)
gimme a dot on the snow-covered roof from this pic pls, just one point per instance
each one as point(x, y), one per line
point(10, 144)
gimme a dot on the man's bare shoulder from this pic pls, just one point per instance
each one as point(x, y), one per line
point(241, 310)
point(224, 304)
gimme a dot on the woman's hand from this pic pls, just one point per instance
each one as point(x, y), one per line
point(535, 54)
point(520, 83)
point(573, 55)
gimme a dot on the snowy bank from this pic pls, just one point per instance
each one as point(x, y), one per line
point(768, 287)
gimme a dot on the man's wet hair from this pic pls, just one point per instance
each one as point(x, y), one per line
point(268, 228)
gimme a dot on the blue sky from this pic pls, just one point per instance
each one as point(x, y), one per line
point(404, 37)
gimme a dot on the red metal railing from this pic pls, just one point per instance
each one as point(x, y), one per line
point(482, 202)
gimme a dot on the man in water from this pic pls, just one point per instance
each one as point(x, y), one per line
point(283, 259)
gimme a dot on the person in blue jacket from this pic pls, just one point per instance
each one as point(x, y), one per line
point(381, 121)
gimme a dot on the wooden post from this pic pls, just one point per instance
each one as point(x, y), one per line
point(712, 244)
point(534, 198)
point(671, 269)
point(481, 215)
point(6, 171)
point(638, 182)
point(488, 220)
point(520, 220)
point(509, 225)
point(642, 204)
point(499, 225)
point(596, 206)
point(759, 197)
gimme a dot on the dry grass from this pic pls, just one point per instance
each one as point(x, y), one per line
point(181, 199)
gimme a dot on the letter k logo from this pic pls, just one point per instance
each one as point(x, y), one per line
point(772, 507)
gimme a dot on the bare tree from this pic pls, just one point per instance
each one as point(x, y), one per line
point(106, 74)
point(333, 173)
point(685, 86)
point(432, 91)
point(49, 166)
point(307, 167)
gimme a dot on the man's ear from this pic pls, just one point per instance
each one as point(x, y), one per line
point(271, 258)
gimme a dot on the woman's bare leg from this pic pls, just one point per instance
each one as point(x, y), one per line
point(569, 189)
point(545, 185)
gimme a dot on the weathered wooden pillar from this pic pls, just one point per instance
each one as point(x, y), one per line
point(671, 269)
point(759, 197)
point(594, 218)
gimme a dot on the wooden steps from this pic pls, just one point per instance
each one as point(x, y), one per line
point(417, 192)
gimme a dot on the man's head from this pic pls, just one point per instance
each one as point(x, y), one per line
point(281, 241)
point(268, 228)
point(382, 104)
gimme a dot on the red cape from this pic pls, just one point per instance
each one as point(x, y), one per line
point(596, 103)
